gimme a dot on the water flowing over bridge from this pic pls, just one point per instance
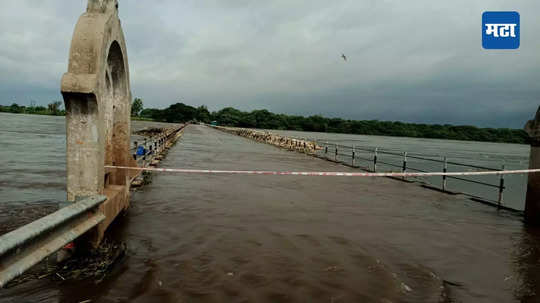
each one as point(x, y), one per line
point(276, 237)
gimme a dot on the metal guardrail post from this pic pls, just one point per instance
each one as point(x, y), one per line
point(375, 160)
point(501, 188)
point(445, 169)
point(404, 169)
point(326, 150)
point(353, 155)
point(135, 153)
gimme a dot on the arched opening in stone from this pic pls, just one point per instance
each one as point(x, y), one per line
point(115, 62)
point(117, 114)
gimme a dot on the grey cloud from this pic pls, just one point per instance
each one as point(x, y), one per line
point(418, 61)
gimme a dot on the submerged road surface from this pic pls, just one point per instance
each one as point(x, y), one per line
point(206, 238)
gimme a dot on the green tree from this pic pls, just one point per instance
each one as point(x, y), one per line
point(179, 112)
point(229, 116)
point(152, 113)
point(203, 115)
point(15, 108)
point(136, 107)
point(54, 107)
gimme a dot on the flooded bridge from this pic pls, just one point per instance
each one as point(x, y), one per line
point(251, 238)
point(283, 239)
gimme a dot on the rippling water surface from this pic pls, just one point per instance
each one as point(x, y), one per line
point(482, 154)
point(33, 163)
point(195, 238)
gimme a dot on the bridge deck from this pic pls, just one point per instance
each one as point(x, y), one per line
point(224, 238)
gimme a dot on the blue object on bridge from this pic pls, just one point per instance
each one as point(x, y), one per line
point(140, 150)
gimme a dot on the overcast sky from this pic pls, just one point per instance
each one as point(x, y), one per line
point(414, 61)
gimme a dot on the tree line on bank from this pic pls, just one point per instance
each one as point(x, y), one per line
point(54, 109)
point(264, 119)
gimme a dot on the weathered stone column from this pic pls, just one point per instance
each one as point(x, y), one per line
point(97, 97)
point(532, 204)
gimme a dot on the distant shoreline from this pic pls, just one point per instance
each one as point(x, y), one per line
point(523, 141)
point(52, 109)
point(264, 119)
point(35, 113)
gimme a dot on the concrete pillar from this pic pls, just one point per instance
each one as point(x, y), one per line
point(532, 204)
point(97, 97)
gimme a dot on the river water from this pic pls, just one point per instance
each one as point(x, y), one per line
point(483, 154)
point(33, 162)
point(195, 238)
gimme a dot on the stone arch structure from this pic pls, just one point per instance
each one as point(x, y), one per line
point(97, 97)
point(118, 96)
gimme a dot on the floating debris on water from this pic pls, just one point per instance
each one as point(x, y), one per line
point(405, 287)
point(94, 265)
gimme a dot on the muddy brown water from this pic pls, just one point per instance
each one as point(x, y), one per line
point(201, 238)
point(483, 154)
point(33, 163)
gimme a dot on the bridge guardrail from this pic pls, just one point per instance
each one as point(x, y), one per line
point(27, 246)
point(334, 152)
point(152, 145)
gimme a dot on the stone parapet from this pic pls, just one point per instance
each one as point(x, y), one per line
point(299, 145)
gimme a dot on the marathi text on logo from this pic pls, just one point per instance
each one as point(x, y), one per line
point(501, 30)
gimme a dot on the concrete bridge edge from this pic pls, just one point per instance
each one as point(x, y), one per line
point(532, 202)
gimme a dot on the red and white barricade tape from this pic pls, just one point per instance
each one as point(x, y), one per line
point(325, 174)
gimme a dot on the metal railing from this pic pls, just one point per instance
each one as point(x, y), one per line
point(372, 160)
point(27, 246)
point(151, 146)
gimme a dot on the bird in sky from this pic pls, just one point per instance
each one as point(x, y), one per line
point(344, 57)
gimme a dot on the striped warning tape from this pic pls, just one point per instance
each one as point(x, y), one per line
point(326, 174)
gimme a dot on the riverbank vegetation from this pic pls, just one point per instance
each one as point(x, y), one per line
point(264, 119)
point(53, 109)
